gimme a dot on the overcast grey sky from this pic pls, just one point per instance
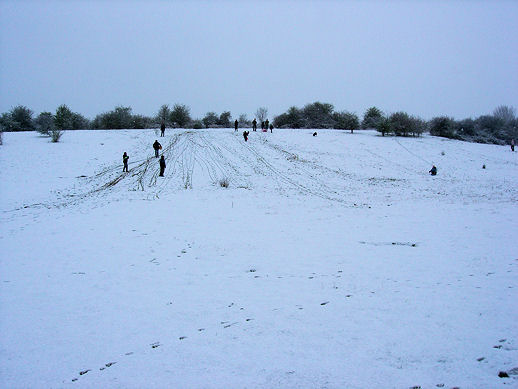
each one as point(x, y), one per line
point(428, 58)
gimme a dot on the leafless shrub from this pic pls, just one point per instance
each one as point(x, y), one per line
point(55, 135)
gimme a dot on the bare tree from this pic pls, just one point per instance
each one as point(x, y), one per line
point(506, 113)
point(56, 134)
point(243, 121)
point(261, 113)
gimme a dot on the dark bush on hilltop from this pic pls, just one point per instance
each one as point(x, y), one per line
point(197, 124)
point(497, 128)
point(180, 116)
point(372, 118)
point(294, 118)
point(65, 119)
point(210, 119)
point(400, 123)
point(163, 115)
point(18, 118)
point(314, 115)
point(383, 126)
point(44, 123)
point(465, 128)
point(443, 126)
point(121, 118)
point(346, 121)
point(224, 119)
point(318, 115)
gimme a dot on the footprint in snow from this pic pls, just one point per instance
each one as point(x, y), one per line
point(107, 365)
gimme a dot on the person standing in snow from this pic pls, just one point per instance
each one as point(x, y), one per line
point(236, 123)
point(162, 129)
point(162, 166)
point(512, 144)
point(125, 159)
point(267, 125)
point(433, 171)
point(271, 128)
point(157, 146)
point(254, 125)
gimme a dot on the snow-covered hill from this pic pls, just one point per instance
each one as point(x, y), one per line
point(333, 261)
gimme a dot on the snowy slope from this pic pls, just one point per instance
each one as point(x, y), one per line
point(333, 261)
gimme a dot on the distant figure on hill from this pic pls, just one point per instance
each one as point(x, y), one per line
point(236, 124)
point(157, 146)
point(245, 135)
point(162, 129)
point(254, 125)
point(262, 126)
point(271, 128)
point(162, 166)
point(315, 133)
point(512, 144)
point(267, 125)
point(125, 162)
point(433, 171)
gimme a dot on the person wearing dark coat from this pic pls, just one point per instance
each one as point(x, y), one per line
point(157, 146)
point(162, 166)
point(262, 126)
point(245, 135)
point(236, 123)
point(433, 171)
point(315, 133)
point(162, 129)
point(271, 128)
point(254, 125)
point(125, 158)
point(512, 144)
point(267, 125)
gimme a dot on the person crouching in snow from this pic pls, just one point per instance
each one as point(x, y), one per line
point(125, 158)
point(245, 135)
point(162, 166)
point(433, 171)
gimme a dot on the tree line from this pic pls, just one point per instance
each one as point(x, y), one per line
point(498, 127)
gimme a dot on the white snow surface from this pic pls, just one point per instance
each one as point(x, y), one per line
point(333, 261)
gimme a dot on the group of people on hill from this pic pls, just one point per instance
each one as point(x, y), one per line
point(156, 146)
point(264, 126)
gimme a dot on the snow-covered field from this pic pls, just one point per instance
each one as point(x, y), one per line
point(333, 261)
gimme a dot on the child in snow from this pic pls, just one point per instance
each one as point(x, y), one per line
point(162, 166)
point(125, 159)
point(512, 144)
point(245, 135)
point(433, 171)
point(162, 129)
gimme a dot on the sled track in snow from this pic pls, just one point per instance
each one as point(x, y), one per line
point(203, 159)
